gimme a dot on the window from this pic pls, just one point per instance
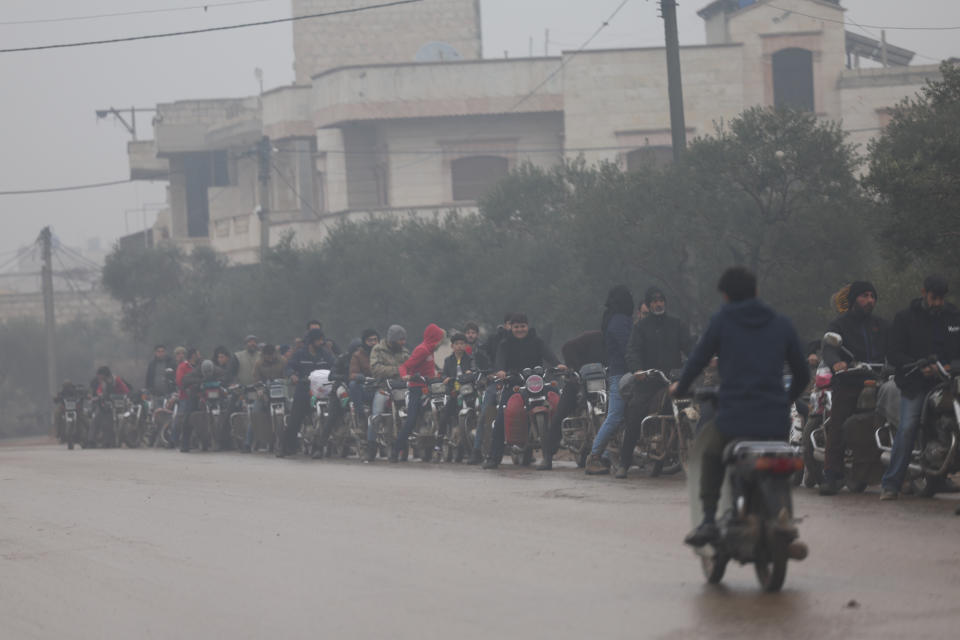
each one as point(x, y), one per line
point(474, 176)
point(649, 156)
point(219, 169)
point(793, 79)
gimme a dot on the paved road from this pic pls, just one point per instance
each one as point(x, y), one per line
point(156, 544)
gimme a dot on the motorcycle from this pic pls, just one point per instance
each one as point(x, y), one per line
point(208, 419)
point(666, 435)
point(425, 439)
point(240, 420)
point(105, 425)
point(757, 526)
point(133, 421)
point(579, 431)
point(527, 414)
point(862, 461)
point(353, 425)
point(322, 394)
point(460, 437)
point(279, 394)
point(74, 420)
point(343, 438)
point(934, 455)
point(387, 425)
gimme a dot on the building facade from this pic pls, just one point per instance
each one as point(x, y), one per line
point(419, 123)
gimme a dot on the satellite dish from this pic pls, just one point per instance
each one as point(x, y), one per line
point(437, 52)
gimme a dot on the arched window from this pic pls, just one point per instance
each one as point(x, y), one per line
point(649, 156)
point(474, 176)
point(793, 79)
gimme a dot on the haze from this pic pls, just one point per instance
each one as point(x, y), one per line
point(51, 137)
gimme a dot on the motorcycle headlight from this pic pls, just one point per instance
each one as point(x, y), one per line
point(534, 384)
point(278, 392)
point(596, 385)
point(398, 395)
point(437, 388)
point(466, 390)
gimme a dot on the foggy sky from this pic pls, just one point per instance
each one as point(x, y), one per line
point(51, 137)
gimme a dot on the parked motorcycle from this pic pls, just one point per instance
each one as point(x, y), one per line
point(579, 430)
point(312, 435)
point(862, 461)
point(460, 436)
point(666, 435)
point(757, 525)
point(934, 455)
point(74, 421)
point(105, 425)
point(527, 414)
point(250, 415)
point(279, 394)
point(425, 439)
point(387, 425)
point(133, 421)
point(343, 439)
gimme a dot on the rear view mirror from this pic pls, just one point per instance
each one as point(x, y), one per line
point(832, 339)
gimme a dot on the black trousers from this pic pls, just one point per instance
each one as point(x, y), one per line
point(711, 468)
point(844, 404)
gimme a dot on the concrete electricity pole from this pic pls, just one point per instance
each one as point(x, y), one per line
point(49, 322)
point(263, 211)
point(678, 126)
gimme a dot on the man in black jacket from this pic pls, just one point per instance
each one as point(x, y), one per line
point(457, 363)
point(313, 356)
point(659, 341)
point(928, 327)
point(520, 350)
point(157, 382)
point(864, 340)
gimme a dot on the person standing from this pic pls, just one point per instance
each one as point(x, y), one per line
point(930, 326)
point(245, 361)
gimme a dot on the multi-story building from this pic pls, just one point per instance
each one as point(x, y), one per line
point(394, 111)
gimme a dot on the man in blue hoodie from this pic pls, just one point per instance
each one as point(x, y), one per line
point(752, 342)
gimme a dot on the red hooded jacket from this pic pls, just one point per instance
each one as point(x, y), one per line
point(421, 361)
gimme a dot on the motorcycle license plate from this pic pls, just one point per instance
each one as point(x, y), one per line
point(438, 388)
point(278, 392)
point(213, 394)
point(70, 405)
point(119, 405)
point(398, 395)
point(596, 386)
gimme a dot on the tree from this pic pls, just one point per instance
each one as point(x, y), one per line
point(915, 172)
point(138, 278)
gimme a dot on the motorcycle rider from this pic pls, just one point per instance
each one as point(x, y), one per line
point(420, 363)
point(471, 331)
point(331, 346)
point(245, 360)
point(752, 342)
point(385, 360)
point(185, 405)
point(314, 355)
point(520, 350)
point(458, 363)
point(616, 328)
point(157, 382)
point(270, 366)
point(865, 337)
point(657, 342)
point(489, 399)
point(225, 363)
point(930, 326)
point(360, 371)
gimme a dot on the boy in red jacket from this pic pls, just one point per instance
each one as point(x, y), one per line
point(420, 363)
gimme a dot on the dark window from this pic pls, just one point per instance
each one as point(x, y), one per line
point(196, 170)
point(474, 176)
point(793, 79)
point(220, 169)
point(649, 157)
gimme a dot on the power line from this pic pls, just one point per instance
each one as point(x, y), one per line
point(205, 7)
point(261, 23)
point(76, 290)
point(76, 187)
point(875, 37)
point(870, 26)
point(297, 193)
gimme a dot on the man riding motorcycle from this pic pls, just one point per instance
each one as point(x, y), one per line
point(520, 350)
point(385, 360)
point(865, 337)
point(359, 371)
point(752, 342)
point(314, 355)
point(930, 326)
point(420, 364)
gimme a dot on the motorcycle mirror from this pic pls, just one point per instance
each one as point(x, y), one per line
point(832, 339)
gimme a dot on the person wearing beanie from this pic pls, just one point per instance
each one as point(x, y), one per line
point(929, 326)
point(420, 364)
point(658, 341)
point(385, 360)
point(864, 338)
point(312, 356)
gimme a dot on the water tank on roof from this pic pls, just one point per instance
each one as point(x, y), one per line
point(437, 52)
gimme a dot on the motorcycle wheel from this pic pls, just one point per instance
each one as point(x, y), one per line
point(812, 468)
point(132, 436)
point(926, 486)
point(770, 563)
point(70, 435)
point(278, 431)
point(714, 566)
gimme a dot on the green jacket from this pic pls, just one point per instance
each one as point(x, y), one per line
point(385, 362)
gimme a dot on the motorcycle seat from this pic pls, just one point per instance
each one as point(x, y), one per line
point(742, 449)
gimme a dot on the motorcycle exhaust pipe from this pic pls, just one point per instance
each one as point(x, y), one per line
point(797, 550)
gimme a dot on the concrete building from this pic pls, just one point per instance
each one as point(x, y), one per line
point(417, 122)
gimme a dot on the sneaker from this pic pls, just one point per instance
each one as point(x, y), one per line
point(703, 535)
point(595, 466)
point(621, 472)
point(888, 495)
point(491, 464)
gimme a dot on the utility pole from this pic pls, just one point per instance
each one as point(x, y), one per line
point(678, 125)
point(263, 210)
point(49, 322)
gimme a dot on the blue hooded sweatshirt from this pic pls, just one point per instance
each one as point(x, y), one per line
point(752, 342)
